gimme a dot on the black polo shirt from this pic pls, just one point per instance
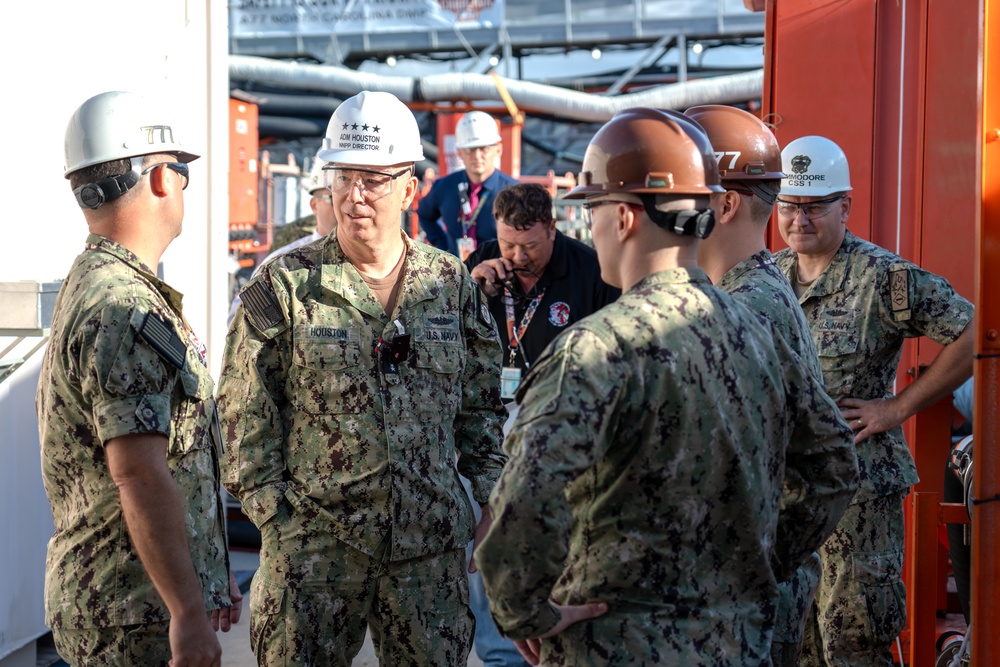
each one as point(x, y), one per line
point(573, 289)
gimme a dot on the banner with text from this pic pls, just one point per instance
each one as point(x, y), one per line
point(256, 18)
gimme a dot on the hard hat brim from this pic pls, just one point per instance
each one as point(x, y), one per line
point(479, 144)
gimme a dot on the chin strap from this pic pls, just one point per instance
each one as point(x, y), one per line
point(93, 195)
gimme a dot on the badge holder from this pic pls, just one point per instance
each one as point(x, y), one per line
point(466, 247)
point(510, 380)
point(394, 351)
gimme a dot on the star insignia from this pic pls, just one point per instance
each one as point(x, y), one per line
point(365, 127)
point(354, 126)
point(375, 128)
point(345, 126)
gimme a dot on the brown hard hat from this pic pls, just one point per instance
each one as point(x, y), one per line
point(648, 151)
point(745, 147)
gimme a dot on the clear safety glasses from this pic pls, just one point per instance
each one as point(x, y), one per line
point(588, 206)
point(812, 210)
point(373, 184)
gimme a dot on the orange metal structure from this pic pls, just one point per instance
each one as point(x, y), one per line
point(244, 177)
point(986, 485)
point(904, 88)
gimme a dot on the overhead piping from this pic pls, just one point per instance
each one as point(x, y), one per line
point(526, 95)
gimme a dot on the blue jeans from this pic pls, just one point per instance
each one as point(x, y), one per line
point(493, 649)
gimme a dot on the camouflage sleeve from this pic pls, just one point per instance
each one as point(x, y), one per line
point(821, 467)
point(564, 426)
point(920, 303)
point(126, 379)
point(251, 399)
point(479, 422)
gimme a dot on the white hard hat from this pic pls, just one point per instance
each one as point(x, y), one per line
point(814, 167)
point(476, 129)
point(315, 180)
point(117, 125)
point(374, 129)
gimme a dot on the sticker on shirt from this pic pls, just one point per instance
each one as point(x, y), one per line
point(199, 347)
point(439, 328)
point(559, 314)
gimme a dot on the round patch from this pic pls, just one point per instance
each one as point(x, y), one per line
point(559, 313)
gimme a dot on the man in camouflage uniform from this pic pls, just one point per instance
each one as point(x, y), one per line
point(648, 455)
point(861, 302)
point(737, 261)
point(127, 423)
point(356, 371)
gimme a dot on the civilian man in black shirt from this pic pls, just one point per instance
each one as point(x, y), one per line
point(537, 282)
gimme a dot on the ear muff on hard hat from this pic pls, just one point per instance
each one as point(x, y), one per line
point(476, 129)
point(373, 129)
point(745, 148)
point(693, 222)
point(94, 195)
point(814, 167)
point(649, 153)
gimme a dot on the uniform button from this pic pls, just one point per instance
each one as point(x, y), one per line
point(147, 413)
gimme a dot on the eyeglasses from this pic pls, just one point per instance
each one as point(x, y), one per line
point(373, 184)
point(589, 206)
point(328, 198)
point(812, 210)
point(474, 149)
point(180, 167)
point(499, 286)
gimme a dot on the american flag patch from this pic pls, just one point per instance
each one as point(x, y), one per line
point(261, 305)
point(164, 339)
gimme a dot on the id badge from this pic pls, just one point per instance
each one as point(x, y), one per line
point(510, 380)
point(466, 246)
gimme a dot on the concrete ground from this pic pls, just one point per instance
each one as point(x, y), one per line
point(236, 643)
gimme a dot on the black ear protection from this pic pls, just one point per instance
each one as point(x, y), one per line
point(693, 222)
point(93, 195)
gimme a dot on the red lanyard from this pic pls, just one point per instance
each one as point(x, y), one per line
point(514, 336)
point(469, 225)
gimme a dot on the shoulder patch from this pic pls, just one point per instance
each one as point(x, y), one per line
point(164, 339)
point(482, 311)
point(899, 291)
point(261, 305)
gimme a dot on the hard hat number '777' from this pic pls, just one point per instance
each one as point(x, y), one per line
point(164, 131)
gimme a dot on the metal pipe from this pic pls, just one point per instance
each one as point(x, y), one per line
point(528, 95)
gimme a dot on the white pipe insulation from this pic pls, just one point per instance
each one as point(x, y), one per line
point(538, 97)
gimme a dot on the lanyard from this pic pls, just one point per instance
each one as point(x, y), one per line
point(471, 222)
point(514, 335)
